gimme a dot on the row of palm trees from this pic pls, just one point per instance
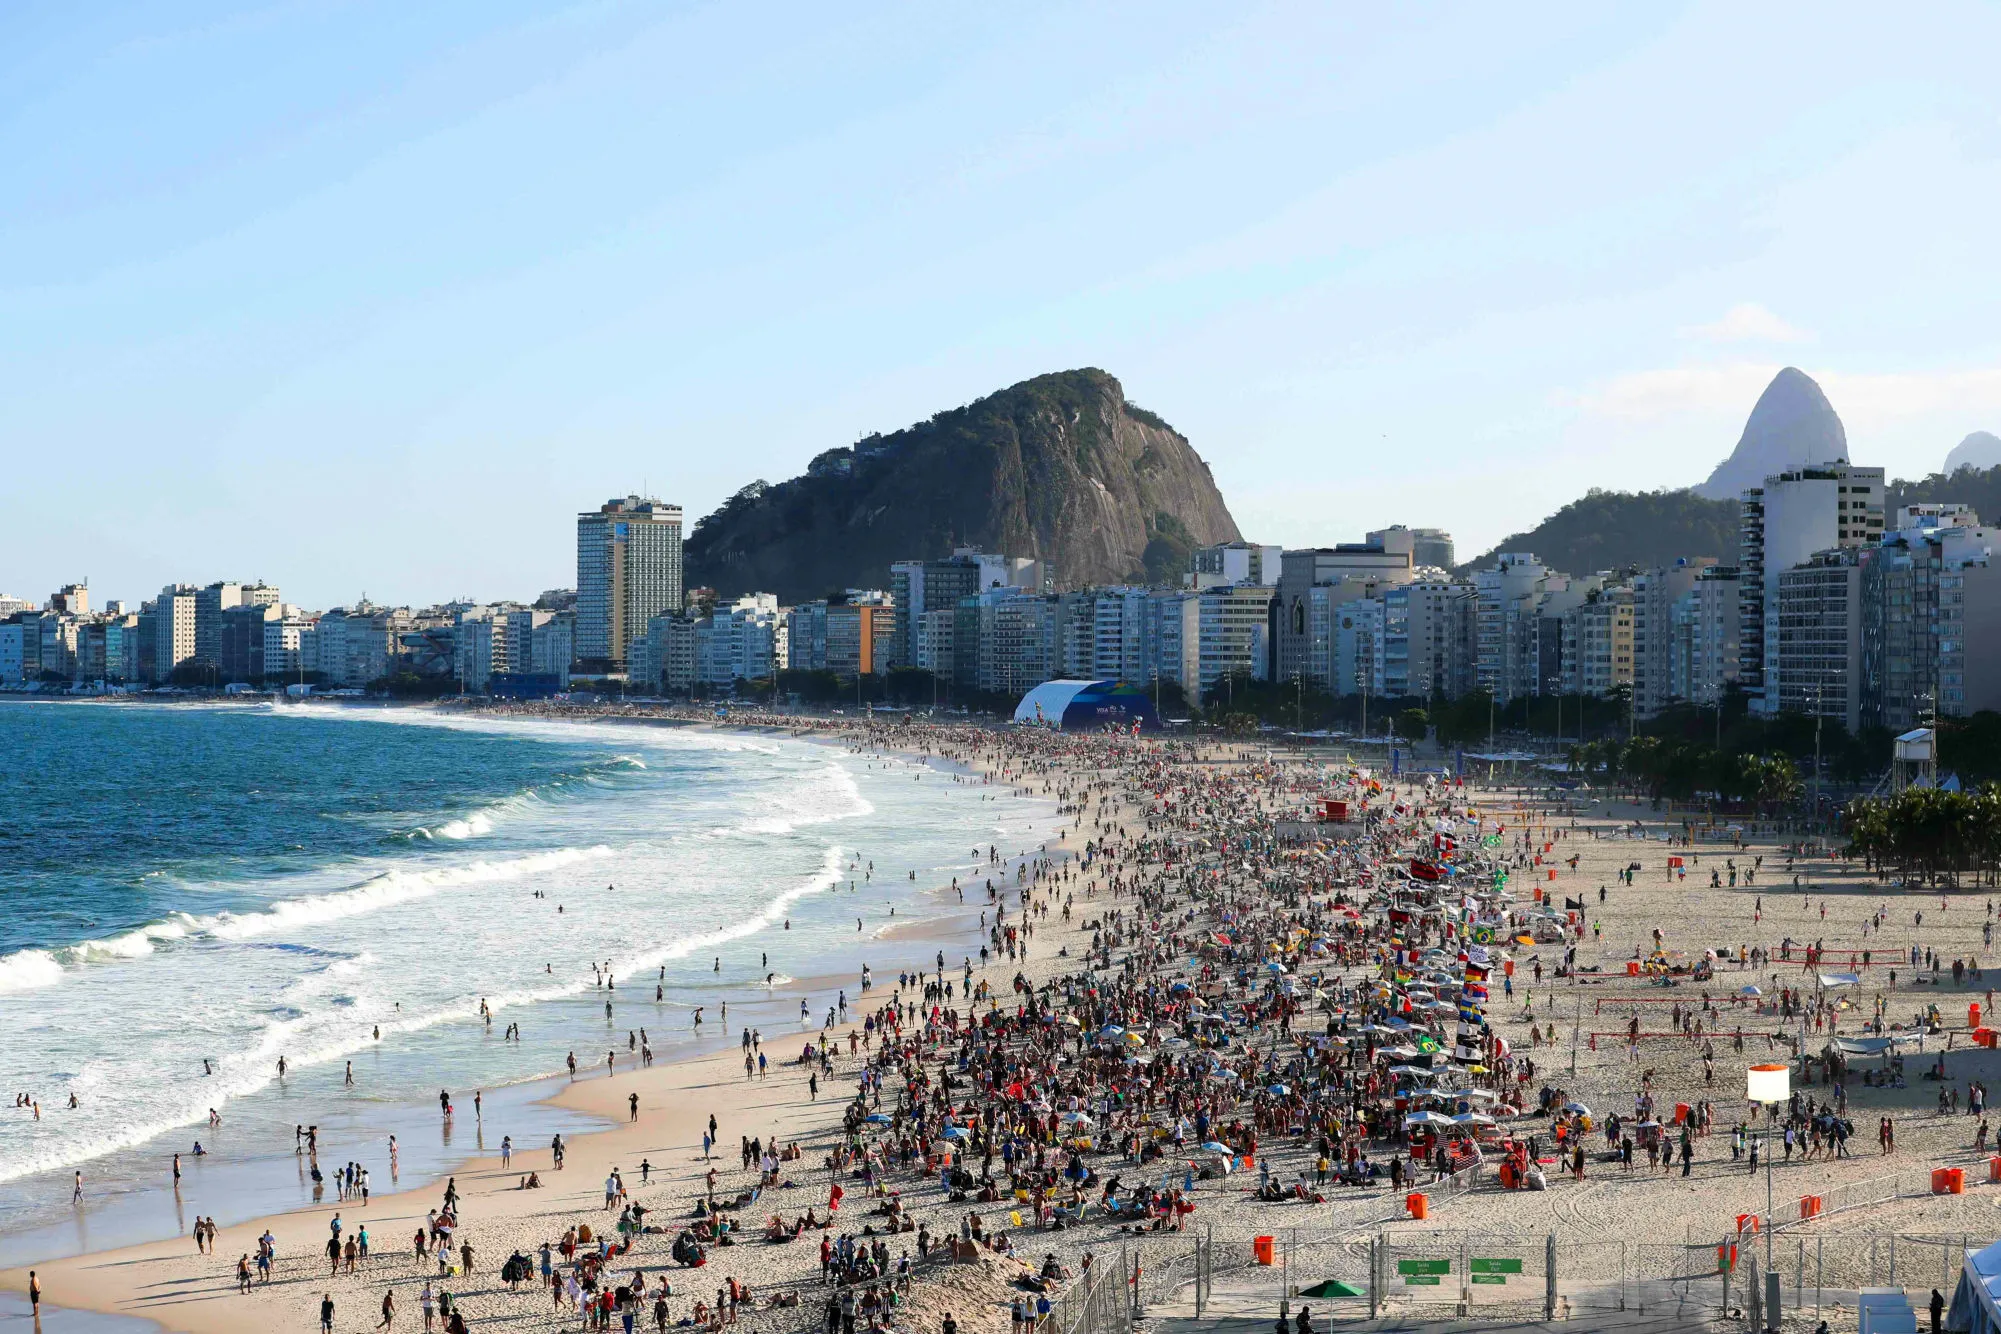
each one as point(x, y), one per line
point(1929, 836)
point(1677, 770)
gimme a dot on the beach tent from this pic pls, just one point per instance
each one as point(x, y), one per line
point(1087, 705)
point(1976, 1302)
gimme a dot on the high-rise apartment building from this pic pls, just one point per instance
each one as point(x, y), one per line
point(919, 587)
point(1301, 635)
point(1702, 640)
point(1814, 638)
point(173, 629)
point(628, 572)
point(1656, 595)
point(1428, 640)
point(1782, 524)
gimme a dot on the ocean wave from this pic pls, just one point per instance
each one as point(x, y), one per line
point(391, 888)
point(482, 821)
point(27, 969)
point(470, 826)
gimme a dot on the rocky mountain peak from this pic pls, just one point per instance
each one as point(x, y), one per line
point(1793, 425)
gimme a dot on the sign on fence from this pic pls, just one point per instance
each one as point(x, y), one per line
point(1493, 1271)
point(1423, 1273)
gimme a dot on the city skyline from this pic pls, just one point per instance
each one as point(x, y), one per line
point(423, 274)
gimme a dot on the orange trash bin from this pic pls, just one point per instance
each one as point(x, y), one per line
point(1419, 1205)
point(1262, 1250)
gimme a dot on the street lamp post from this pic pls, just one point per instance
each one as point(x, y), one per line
point(1771, 1085)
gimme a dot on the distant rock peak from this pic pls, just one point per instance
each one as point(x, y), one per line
point(1979, 451)
point(1792, 426)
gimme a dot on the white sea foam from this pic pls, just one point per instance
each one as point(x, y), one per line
point(704, 852)
point(26, 969)
point(389, 889)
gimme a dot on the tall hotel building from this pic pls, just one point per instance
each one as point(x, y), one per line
point(628, 571)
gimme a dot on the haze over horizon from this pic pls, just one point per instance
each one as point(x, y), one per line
point(375, 297)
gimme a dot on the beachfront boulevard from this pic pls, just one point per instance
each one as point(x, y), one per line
point(1261, 1034)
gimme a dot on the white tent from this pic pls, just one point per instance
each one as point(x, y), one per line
point(1976, 1302)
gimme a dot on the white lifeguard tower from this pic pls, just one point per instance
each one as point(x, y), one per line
point(1914, 762)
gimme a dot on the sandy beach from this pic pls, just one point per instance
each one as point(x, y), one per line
point(1571, 1035)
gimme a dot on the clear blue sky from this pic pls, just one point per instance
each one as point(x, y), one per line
point(354, 296)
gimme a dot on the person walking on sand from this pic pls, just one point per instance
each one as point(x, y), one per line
point(326, 1313)
point(388, 1309)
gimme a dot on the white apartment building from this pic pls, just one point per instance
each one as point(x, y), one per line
point(1783, 524)
point(173, 629)
point(283, 639)
point(1428, 639)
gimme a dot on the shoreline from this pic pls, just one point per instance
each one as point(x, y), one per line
point(602, 1139)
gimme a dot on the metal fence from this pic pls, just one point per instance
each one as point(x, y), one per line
point(1422, 1273)
point(1101, 1303)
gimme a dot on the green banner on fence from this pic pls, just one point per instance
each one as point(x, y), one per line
point(1480, 1266)
point(1420, 1280)
point(1424, 1266)
point(1489, 1278)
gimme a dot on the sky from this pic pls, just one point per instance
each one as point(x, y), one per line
point(373, 298)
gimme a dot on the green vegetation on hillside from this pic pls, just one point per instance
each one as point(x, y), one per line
point(1611, 530)
point(1978, 487)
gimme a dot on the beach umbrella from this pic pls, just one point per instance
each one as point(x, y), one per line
point(957, 1132)
point(1280, 1090)
point(1577, 1107)
point(1274, 967)
point(876, 1119)
point(1427, 1118)
point(1075, 1119)
point(1211, 1146)
point(1330, 1287)
point(1749, 991)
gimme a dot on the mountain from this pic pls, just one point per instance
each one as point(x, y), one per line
point(1609, 530)
point(1060, 468)
point(1793, 424)
point(1981, 450)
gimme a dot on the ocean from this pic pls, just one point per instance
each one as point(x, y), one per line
point(188, 894)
